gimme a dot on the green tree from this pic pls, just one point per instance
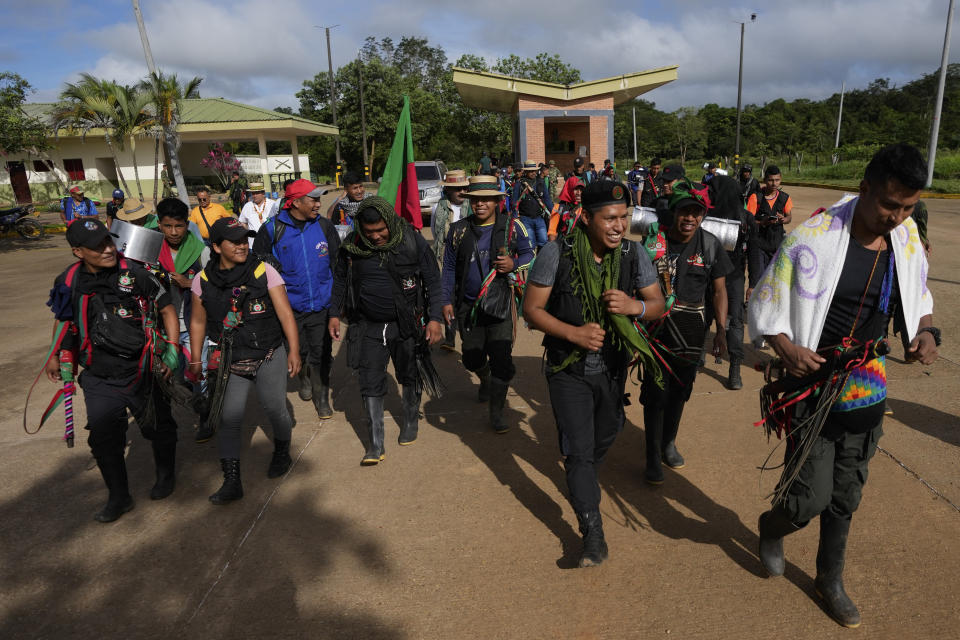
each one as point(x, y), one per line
point(19, 131)
point(133, 118)
point(91, 104)
point(167, 94)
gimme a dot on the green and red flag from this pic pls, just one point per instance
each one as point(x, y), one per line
point(399, 182)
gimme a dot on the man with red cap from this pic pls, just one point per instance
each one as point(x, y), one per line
point(302, 246)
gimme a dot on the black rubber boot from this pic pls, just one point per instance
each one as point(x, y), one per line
point(114, 472)
point(829, 580)
point(653, 432)
point(280, 461)
point(668, 445)
point(483, 393)
point(734, 383)
point(375, 452)
point(306, 390)
point(498, 399)
point(594, 546)
point(164, 456)
point(205, 430)
point(321, 399)
point(232, 488)
point(772, 527)
point(411, 415)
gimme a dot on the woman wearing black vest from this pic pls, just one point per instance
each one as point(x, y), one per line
point(242, 306)
point(584, 292)
point(687, 260)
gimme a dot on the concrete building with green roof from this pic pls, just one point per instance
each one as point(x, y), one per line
point(87, 161)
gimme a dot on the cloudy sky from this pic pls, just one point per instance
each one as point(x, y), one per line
point(259, 51)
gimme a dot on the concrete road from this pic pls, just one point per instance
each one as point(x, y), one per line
point(466, 533)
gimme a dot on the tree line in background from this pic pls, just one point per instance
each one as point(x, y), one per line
point(443, 127)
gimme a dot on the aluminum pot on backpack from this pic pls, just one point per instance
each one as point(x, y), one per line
point(641, 220)
point(726, 231)
point(137, 243)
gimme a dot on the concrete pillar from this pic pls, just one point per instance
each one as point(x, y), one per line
point(262, 142)
point(295, 150)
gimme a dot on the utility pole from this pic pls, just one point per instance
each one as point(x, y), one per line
point(634, 135)
point(333, 98)
point(935, 125)
point(736, 153)
point(843, 89)
point(363, 123)
point(143, 37)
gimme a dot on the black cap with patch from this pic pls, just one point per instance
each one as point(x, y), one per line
point(87, 233)
point(672, 172)
point(601, 193)
point(229, 229)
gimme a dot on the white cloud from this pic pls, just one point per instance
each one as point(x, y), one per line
point(261, 52)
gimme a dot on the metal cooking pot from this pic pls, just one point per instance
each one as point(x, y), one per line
point(641, 220)
point(727, 231)
point(137, 243)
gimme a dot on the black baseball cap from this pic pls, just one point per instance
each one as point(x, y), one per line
point(87, 233)
point(601, 193)
point(672, 172)
point(229, 229)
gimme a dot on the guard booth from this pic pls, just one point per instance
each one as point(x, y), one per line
point(555, 121)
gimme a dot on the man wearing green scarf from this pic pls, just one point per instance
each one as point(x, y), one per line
point(386, 284)
point(585, 291)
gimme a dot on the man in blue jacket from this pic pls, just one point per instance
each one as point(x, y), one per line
point(303, 247)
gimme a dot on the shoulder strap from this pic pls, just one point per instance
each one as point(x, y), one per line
point(71, 273)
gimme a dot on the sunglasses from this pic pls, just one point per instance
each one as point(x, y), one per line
point(203, 199)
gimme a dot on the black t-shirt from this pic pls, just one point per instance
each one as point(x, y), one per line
point(112, 209)
point(857, 268)
point(693, 288)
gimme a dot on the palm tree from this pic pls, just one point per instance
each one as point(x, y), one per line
point(132, 118)
point(90, 104)
point(166, 93)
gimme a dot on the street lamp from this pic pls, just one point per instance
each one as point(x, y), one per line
point(333, 97)
point(736, 156)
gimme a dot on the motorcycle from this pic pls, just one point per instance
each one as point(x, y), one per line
point(22, 220)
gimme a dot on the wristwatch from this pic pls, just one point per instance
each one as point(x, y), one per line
point(935, 332)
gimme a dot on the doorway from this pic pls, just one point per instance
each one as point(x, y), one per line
point(18, 179)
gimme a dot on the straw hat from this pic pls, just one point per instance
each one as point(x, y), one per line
point(455, 178)
point(133, 209)
point(255, 186)
point(484, 186)
point(530, 165)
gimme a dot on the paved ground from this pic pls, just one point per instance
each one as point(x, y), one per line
point(466, 533)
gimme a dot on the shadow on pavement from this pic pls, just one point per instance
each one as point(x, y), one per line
point(933, 422)
point(179, 565)
point(459, 413)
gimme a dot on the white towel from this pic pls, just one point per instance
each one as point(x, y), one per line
point(795, 292)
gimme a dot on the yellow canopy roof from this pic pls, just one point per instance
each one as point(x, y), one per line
point(496, 92)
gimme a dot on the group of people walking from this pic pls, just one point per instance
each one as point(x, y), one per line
point(262, 312)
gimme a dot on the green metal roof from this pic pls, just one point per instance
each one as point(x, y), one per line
point(222, 115)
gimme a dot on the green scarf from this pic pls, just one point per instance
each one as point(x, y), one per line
point(588, 286)
point(189, 251)
point(357, 244)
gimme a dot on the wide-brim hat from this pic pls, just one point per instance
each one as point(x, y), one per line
point(255, 186)
point(484, 186)
point(133, 209)
point(455, 178)
point(76, 189)
point(529, 165)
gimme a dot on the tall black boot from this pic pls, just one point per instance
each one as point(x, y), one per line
point(306, 390)
point(411, 415)
point(321, 396)
point(232, 488)
point(734, 382)
point(113, 468)
point(668, 445)
point(375, 452)
point(164, 456)
point(829, 581)
point(594, 545)
point(483, 392)
point(205, 430)
point(280, 461)
point(498, 398)
point(653, 432)
point(772, 527)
